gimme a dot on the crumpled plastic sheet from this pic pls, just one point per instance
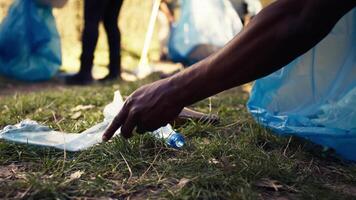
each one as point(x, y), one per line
point(314, 96)
point(31, 132)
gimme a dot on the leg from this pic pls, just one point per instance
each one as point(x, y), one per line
point(163, 35)
point(114, 38)
point(93, 13)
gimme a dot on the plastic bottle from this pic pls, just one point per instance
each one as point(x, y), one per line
point(172, 138)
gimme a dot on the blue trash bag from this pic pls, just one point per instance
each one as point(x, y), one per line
point(210, 22)
point(30, 48)
point(314, 96)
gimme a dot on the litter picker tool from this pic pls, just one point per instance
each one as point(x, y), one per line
point(144, 69)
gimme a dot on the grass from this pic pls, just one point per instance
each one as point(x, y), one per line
point(237, 159)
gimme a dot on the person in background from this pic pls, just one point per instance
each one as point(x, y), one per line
point(166, 19)
point(247, 9)
point(96, 11)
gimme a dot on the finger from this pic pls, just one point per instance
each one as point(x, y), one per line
point(140, 130)
point(128, 126)
point(115, 124)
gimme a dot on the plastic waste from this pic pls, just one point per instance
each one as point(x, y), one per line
point(212, 23)
point(30, 48)
point(172, 138)
point(31, 132)
point(314, 96)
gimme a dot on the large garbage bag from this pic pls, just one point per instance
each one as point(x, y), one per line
point(30, 47)
point(204, 27)
point(314, 96)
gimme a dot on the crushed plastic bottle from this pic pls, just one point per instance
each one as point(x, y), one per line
point(173, 139)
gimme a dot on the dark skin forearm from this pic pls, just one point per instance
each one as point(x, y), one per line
point(276, 36)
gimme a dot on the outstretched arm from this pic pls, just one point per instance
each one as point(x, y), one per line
point(277, 35)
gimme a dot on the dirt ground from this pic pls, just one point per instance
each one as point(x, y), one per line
point(10, 87)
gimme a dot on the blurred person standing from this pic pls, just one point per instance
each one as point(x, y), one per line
point(166, 18)
point(95, 11)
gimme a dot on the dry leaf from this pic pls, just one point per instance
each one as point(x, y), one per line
point(206, 141)
point(269, 184)
point(7, 171)
point(76, 175)
point(182, 183)
point(76, 115)
point(12, 171)
point(82, 107)
point(213, 161)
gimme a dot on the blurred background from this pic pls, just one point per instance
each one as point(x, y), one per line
point(134, 18)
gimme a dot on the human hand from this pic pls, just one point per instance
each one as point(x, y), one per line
point(148, 108)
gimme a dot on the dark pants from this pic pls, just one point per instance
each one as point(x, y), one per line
point(106, 11)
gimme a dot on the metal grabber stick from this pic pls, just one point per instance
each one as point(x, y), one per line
point(144, 69)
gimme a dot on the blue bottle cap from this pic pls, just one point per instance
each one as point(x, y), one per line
point(176, 140)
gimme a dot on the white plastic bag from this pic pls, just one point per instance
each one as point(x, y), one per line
point(202, 22)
